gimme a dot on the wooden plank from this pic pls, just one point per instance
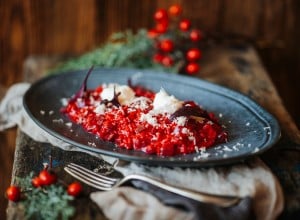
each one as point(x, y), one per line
point(73, 27)
point(242, 17)
point(35, 154)
point(235, 66)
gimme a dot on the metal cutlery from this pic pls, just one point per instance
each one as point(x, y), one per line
point(105, 183)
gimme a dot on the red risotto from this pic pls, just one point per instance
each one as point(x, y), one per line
point(136, 118)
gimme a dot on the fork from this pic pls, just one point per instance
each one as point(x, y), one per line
point(105, 183)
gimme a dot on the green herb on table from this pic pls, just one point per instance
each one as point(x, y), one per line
point(42, 197)
point(51, 202)
point(123, 49)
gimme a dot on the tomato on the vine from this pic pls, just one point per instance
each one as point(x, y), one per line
point(195, 35)
point(161, 27)
point(161, 14)
point(167, 61)
point(13, 193)
point(152, 33)
point(185, 24)
point(74, 189)
point(157, 57)
point(175, 10)
point(192, 68)
point(169, 39)
point(47, 177)
point(193, 54)
point(36, 182)
point(166, 45)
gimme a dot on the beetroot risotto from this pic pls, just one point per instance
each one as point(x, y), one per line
point(136, 118)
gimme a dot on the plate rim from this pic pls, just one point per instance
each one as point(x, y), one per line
point(209, 86)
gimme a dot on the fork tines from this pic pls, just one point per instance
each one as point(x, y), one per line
point(90, 178)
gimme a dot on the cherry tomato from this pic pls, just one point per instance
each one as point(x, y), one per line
point(195, 35)
point(74, 189)
point(193, 54)
point(47, 177)
point(36, 182)
point(185, 24)
point(161, 27)
point(192, 68)
point(13, 193)
point(166, 45)
point(175, 10)
point(158, 57)
point(161, 14)
point(152, 33)
point(167, 61)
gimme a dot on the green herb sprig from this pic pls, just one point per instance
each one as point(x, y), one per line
point(123, 49)
point(49, 202)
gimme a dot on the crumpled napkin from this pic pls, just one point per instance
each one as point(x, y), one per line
point(253, 181)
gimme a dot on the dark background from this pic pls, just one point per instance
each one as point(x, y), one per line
point(55, 27)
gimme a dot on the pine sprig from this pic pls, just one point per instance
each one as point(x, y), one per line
point(49, 202)
point(123, 49)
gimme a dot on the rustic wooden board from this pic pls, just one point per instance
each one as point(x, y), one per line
point(31, 155)
point(235, 66)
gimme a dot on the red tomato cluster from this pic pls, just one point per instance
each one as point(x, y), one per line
point(45, 178)
point(174, 33)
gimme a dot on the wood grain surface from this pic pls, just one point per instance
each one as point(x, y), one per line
point(235, 66)
point(53, 27)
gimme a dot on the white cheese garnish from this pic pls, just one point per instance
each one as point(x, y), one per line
point(165, 103)
point(64, 101)
point(100, 109)
point(181, 120)
point(140, 102)
point(149, 118)
point(126, 96)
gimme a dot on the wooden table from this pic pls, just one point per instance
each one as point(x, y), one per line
point(235, 66)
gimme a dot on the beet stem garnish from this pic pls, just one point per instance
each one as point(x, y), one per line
point(189, 111)
point(114, 100)
point(82, 89)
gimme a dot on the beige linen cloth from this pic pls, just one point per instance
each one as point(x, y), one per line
point(253, 179)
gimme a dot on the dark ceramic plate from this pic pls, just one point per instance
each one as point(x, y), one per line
point(251, 129)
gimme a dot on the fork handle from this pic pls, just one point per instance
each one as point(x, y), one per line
point(219, 200)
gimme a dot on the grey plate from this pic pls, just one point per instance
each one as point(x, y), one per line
point(251, 129)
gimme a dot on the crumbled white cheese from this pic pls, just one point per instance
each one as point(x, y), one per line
point(149, 118)
point(181, 120)
point(164, 103)
point(191, 138)
point(58, 120)
point(80, 103)
point(184, 130)
point(140, 102)
point(201, 153)
point(100, 109)
point(92, 144)
point(126, 93)
point(68, 124)
point(64, 101)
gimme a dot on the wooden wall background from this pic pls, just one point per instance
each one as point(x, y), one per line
point(72, 27)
